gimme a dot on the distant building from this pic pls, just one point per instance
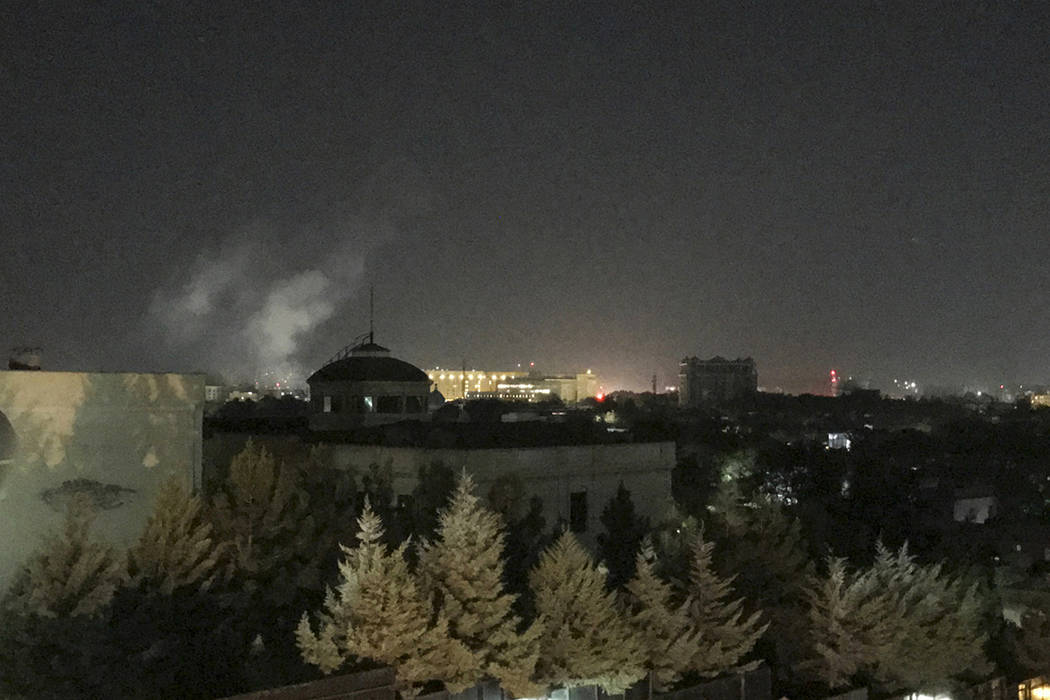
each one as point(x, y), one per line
point(514, 385)
point(363, 386)
point(715, 381)
point(216, 393)
point(1040, 400)
point(243, 394)
point(454, 384)
point(975, 505)
point(839, 441)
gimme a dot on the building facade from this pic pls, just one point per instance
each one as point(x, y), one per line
point(575, 482)
point(715, 381)
point(514, 385)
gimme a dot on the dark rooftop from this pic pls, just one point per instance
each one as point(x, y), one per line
point(368, 369)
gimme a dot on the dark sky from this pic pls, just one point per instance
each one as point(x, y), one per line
point(211, 185)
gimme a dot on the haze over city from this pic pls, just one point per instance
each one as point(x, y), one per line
point(213, 186)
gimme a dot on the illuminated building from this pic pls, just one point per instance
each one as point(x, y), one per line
point(513, 385)
point(363, 386)
point(715, 381)
point(1040, 400)
point(454, 384)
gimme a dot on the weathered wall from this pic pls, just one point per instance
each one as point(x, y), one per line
point(115, 437)
point(552, 473)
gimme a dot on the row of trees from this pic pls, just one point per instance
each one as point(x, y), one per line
point(452, 619)
point(892, 624)
point(210, 599)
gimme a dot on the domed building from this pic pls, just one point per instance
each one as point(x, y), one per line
point(363, 386)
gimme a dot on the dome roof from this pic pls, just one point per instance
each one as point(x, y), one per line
point(357, 368)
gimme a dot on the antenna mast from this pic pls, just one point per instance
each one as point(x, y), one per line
point(371, 313)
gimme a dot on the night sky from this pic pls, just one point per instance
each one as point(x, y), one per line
point(213, 186)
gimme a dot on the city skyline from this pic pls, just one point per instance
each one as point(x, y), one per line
point(193, 187)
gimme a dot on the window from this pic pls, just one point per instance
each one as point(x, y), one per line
point(578, 511)
point(388, 404)
point(327, 403)
point(414, 404)
point(369, 404)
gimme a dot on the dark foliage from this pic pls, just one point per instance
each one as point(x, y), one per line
point(619, 544)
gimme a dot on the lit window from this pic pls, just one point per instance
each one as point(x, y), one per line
point(327, 404)
point(369, 404)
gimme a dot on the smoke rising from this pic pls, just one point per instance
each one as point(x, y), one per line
point(250, 308)
point(277, 292)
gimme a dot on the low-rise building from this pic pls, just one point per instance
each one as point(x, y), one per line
point(575, 482)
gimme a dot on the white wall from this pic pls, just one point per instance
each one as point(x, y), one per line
point(116, 437)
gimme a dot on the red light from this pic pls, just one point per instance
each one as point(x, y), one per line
point(1001, 386)
point(832, 373)
point(600, 396)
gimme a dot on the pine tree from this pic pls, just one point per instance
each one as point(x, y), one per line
point(726, 635)
point(937, 624)
point(898, 625)
point(527, 537)
point(378, 612)
point(177, 547)
point(463, 573)
point(434, 488)
point(669, 639)
point(848, 623)
point(257, 508)
point(624, 530)
point(1032, 646)
point(587, 639)
point(762, 546)
point(54, 632)
point(71, 575)
point(282, 539)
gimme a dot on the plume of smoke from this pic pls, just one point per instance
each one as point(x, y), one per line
point(252, 305)
point(186, 312)
point(293, 307)
point(247, 309)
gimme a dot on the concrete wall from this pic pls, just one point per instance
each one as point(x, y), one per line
point(115, 437)
point(552, 473)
